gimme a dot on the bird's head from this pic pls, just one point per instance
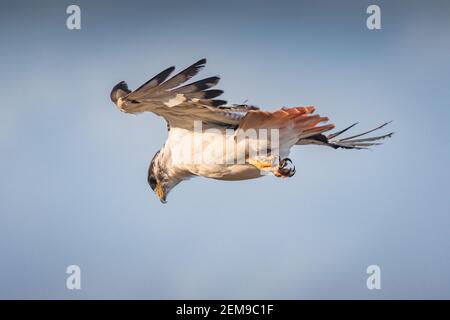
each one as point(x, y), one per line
point(120, 90)
point(159, 177)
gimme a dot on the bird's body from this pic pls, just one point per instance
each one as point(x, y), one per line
point(210, 159)
point(212, 139)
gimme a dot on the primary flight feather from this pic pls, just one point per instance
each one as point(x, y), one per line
point(210, 138)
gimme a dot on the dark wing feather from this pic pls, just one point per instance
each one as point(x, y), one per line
point(207, 94)
point(331, 136)
point(198, 85)
point(184, 75)
point(364, 133)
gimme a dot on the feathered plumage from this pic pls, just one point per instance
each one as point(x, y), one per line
point(183, 104)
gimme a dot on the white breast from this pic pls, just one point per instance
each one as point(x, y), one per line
point(209, 154)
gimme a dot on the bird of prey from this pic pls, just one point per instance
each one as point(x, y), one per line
point(195, 117)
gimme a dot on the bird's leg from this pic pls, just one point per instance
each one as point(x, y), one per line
point(285, 169)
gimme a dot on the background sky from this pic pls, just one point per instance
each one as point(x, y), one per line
point(73, 169)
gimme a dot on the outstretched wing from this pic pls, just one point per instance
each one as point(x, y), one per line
point(180, 105)
point(298, 126)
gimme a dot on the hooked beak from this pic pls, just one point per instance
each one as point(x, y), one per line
point(160, 193)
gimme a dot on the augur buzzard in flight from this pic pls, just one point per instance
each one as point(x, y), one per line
point(182, 105)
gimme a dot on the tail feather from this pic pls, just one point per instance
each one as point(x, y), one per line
point(371, 138)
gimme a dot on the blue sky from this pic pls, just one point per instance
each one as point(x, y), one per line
point(74, 190)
